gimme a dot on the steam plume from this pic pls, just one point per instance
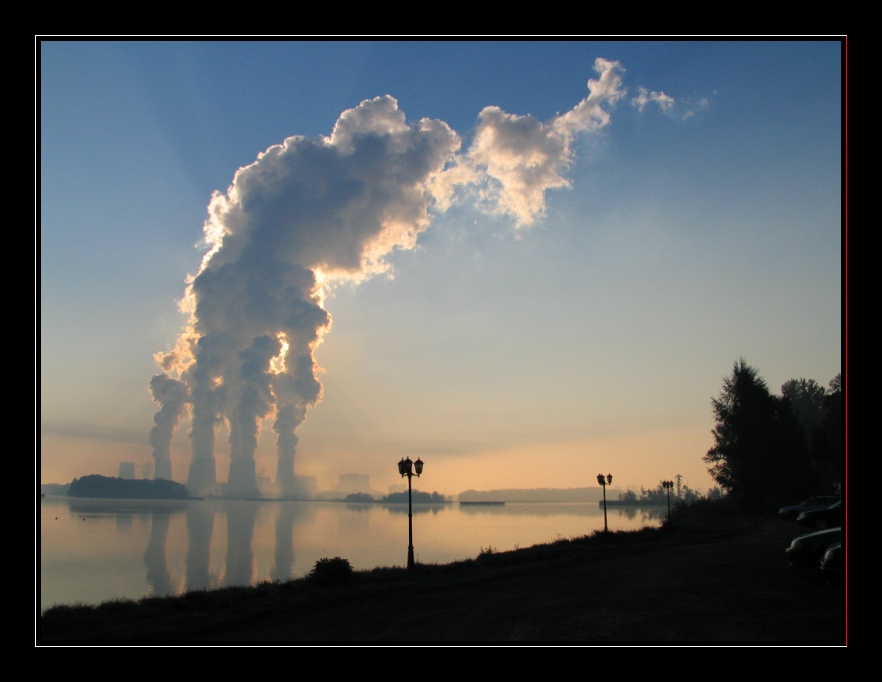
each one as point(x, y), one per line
point(309, 212)
point(172, 395)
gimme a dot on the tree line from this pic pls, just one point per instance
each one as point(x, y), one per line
point(681, 494)
point(771, 450)
point(95, 485)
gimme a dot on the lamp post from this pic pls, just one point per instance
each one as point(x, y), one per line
point(667, 485)
point(408, 468)
point(604, 481)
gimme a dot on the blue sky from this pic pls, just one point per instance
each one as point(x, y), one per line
point(698, 222)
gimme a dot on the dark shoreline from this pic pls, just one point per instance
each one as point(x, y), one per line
point(720, 580)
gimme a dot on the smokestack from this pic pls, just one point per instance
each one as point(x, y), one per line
point(171, 394)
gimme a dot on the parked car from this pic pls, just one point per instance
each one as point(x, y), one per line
point(828, 517)
point(833, 564)
point(794, 510)
point(806, 551)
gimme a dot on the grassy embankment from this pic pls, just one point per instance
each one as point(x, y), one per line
point(706, 579)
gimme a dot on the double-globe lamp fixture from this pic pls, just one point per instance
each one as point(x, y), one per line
point(668, 485)
point(604, 481)
point(409, 468)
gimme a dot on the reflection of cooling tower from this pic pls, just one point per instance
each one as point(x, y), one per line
point(158, 574)
point(283, 557)
point(200, 526)
point(240, 531)
point(127, 470)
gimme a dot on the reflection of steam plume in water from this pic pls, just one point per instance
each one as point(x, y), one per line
point(240, 555)
point(158, 575)
point(291, 520)
point(200, 526)
point(283, 557)
point(310, 212)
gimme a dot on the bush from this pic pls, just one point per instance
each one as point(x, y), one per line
point(331, 571)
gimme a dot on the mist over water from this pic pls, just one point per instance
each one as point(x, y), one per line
point(96, 550)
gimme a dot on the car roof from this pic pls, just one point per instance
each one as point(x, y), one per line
point(821, 533)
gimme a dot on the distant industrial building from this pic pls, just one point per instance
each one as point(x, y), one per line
point(353, 483)
point(127, 470)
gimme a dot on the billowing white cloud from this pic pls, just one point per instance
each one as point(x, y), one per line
point(513, 160)
point(305, 211)
point(309, 212)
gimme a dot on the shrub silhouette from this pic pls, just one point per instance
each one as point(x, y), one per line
point(334, 571)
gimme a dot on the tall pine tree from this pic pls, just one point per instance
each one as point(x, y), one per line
point(760, 454)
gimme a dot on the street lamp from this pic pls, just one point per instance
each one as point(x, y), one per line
point(604, 481)
point(408, 468)
point(667, 485)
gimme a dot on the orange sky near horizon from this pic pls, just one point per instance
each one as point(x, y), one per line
point(635, 460)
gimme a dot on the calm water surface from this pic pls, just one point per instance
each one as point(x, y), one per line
point(96, 550)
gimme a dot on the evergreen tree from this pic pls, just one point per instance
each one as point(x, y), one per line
point(806, 397)
point(760, 456)
point(827, 441)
